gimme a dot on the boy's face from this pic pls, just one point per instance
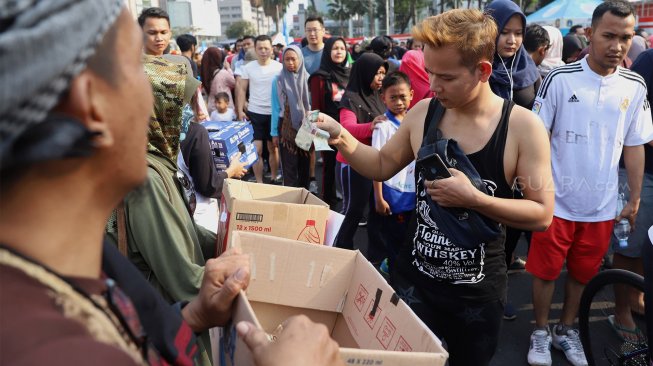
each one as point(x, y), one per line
point(397, 98)
point(221, 105)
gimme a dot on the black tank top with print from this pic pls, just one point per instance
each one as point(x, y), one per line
point(431, 261)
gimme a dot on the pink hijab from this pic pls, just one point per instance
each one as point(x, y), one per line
point(412, 64)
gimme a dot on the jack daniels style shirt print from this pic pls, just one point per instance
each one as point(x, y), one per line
point(432, 261)
point(436, 256)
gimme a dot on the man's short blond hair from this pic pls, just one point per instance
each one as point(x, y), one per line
point(470, 31)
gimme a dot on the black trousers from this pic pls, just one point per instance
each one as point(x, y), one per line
point(356, 196)
point(470, 329)
point(294, 168)
point(386, 235)
point(329, 177)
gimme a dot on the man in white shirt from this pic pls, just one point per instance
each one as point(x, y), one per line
point(258, 76)
point(594, 109)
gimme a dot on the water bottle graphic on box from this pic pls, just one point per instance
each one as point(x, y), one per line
point(229, 138)
point(309, 234)
point(622, 227)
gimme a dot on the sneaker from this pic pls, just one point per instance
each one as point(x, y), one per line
point(509, 312)
point(569, 343)
point(312, 187)
point(278, 180)
point(518, 265)
point(539, 353)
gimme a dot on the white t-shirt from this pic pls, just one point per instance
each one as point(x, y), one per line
point(237, 64)
point(398, 191)
point(229, 115)
point(260, 85)
point(590, 118)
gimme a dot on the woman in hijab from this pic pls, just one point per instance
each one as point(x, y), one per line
point(638, 46)
point(514, 77)
point(361, 108)
point(571, 48)
point(356, 51)
point(412, 64)
point(553, 56)
point(328, 85)
point(216, 77)
point(514, 74)
point(293, 101)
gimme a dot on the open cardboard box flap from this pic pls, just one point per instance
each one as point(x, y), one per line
point(237, 189)
point(286, 212)
point(338, 288)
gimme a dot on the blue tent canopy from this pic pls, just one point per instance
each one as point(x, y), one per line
point(565, 13)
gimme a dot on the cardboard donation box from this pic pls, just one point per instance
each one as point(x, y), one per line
point(286, 212)
point(229, 138)
point(336, 287)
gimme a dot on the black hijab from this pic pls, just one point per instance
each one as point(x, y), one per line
point(329, 70)
point(571, 44)
point(359, 96)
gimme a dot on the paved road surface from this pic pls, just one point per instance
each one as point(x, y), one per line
point(514, 337)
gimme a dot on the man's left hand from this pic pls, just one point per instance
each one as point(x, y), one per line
point(455, 191)
point(224, 277)
point(629, 212)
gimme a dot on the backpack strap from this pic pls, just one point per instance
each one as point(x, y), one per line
point(431, 122)
point(121, 223)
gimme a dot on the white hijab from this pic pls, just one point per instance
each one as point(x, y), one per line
point(553, 56)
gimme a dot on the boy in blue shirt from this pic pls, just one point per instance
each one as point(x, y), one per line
point(394, 199)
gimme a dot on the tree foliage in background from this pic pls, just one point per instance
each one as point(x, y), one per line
point(276, 9)
point(311, 10)
point(479, 4)
point(406, 13)
point(339, 11)
point(241, 28)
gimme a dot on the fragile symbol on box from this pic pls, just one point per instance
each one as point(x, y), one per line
point(361, 297)
point(386, 332)
point(369, 318)
point(403, 346)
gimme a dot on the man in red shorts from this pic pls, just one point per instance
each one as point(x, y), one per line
point(594, 109)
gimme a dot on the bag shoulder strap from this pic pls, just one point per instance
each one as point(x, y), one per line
point(121, 223)
point(431, 122)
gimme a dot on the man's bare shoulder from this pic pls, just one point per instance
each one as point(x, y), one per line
point(417, 114)
point(526, 125)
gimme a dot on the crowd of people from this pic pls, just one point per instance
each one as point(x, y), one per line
point(109, 209)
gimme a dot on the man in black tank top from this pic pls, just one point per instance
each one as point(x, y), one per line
point(458, 289)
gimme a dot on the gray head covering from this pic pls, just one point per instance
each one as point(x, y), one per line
point(44, 44)
point(294, 87)
point(638, 46)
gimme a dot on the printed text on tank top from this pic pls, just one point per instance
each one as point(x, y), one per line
point(434, 254)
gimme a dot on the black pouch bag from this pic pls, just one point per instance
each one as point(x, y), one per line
point(464, 227)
